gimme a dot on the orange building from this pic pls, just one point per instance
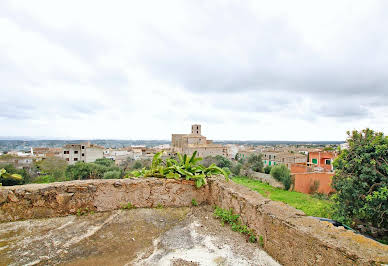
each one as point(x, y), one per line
point(315, 182)
point(322, 159)
point(316, 175)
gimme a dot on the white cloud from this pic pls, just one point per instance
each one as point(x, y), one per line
point(279, 70)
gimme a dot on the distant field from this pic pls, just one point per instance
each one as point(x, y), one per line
point(309, 205)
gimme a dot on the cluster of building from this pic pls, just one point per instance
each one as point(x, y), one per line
point(311, 169)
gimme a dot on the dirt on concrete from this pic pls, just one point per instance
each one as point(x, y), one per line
point(165, 236)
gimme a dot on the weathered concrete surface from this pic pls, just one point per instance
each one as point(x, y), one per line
point(63, 198)
point(290, 236)
point(169, 236)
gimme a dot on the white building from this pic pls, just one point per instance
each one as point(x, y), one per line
point(84, 152)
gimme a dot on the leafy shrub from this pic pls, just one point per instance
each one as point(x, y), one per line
point(104, 162)
point(228, 217)
point(361, 180)
point(186, 167)
point(115, 174)
point(194, 202)
point(236, 169)
point(82, 170)
point(44, 179)
point(8, 179)
point(128, 206)
point(137, 165)
point(12, 170)
point(282, 174)
point(267, 169)
point(255, 162)
point(218, 160)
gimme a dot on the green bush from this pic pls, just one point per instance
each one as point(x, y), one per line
point(185, 167)
point(255, 162)
point(115, 174)
point(105, 162)
point(8, 179)
point(218, 160)
point(267, 169)
point(44, 179)
point(137, 165)
point(282, 174)
point(10, 172)
point(236, 169)
point(361, 180)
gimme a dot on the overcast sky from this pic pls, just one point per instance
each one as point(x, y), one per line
point(247, 70)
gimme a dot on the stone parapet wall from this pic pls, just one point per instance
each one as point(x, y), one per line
point(64, 198)
point(293, 238)
point(289, 235)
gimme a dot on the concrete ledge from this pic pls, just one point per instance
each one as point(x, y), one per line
point(289, 236)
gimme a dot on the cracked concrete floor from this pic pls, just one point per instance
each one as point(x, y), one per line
point(169, 236)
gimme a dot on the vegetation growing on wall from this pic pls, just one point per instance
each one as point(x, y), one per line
point(227, 216)
point(185, 167)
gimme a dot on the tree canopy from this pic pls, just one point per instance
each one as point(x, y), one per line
point(361, 179)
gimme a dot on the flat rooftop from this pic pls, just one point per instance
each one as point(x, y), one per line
point(144, 236)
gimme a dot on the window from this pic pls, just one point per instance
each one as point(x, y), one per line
point(75, 159)
point(269, 163)
point(83, 147)
point(274, 163)
point(75, 152)
point(328, 162)
point(83, 154)
point(66, 152)
point(314, 161)
point(67, 159)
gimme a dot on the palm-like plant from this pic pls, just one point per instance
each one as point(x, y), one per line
point(4, 176)
point(185, 167)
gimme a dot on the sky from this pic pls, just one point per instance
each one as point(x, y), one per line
point(245, 70)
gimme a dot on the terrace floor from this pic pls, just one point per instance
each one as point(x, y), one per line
point(166, 236)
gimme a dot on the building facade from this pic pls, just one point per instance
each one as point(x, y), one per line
point(188, 143)
point(83, 152)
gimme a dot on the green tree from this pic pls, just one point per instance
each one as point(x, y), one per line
point(137, 165)
point(282, 173)
point(361, 179)
point(115, 174)
point(80, 171)
point(236, 169)
point(255, 162)
point(54, 166)
point(105, 162)
point(267, 169)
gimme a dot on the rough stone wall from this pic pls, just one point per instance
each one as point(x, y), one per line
point(63, 198)
point(290, 236)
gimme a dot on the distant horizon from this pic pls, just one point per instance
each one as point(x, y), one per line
point(21, 138)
